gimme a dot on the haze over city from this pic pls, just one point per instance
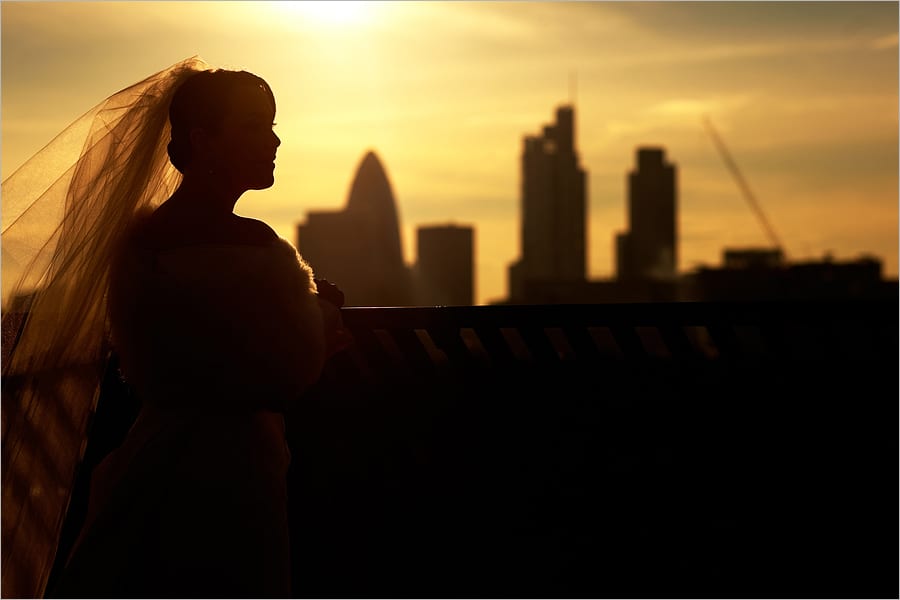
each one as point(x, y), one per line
point(803, 93)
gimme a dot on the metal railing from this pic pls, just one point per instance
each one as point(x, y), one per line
point(422, 338)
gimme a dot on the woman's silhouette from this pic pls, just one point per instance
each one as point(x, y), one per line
point(219, 328)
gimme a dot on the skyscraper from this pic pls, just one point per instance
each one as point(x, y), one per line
point(359, 247)
point(445, 265)
point(649, 249)
point(554, 209)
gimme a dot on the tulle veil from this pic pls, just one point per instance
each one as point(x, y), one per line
point(63, 214)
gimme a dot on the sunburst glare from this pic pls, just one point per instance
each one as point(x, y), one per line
point(328, 12)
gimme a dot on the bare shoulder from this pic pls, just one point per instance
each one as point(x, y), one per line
point(168, 229)
point(253, 231)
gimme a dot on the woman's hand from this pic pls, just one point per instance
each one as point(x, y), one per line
point(331, 299)
point(329, 291)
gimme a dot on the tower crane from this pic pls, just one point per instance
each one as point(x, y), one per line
point(745, 189)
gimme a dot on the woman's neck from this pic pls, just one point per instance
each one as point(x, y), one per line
point(204, 196)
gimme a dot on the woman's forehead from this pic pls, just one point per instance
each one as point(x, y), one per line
point(250, 98)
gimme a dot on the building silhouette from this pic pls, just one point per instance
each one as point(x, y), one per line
point(743, 258)
point(649, 249)
point(553, 210)
point(444, 271)
point(761, 275)
point(359, 247)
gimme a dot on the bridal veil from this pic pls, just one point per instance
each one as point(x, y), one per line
point(63, 214)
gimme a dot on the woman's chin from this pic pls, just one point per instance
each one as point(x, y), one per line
point(263, 183)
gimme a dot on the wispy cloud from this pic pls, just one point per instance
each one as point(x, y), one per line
point(884, 42)
point(697, 107)
point(723, 52)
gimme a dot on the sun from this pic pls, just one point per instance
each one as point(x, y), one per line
point(329, 12)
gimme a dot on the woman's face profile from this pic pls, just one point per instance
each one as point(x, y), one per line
point(246, 143)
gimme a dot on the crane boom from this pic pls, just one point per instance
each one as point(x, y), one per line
point(745, 189)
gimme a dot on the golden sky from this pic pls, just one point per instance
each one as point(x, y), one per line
point(804, 94)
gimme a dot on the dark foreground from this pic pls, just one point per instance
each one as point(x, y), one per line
point(639, 451)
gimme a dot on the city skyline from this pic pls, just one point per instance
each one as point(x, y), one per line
point(804, 94)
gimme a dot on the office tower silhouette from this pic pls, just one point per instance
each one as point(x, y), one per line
point(359, 248)
point(444, 273)
point(553, 209)
point(648, 250)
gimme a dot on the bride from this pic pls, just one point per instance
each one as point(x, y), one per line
point(219, 327)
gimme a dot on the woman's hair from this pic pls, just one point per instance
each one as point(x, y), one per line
point(201, 101)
